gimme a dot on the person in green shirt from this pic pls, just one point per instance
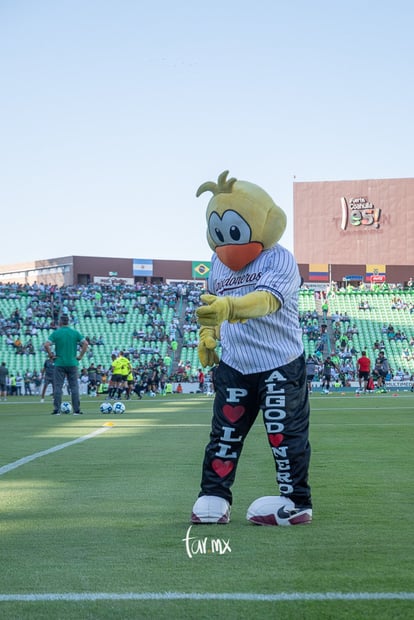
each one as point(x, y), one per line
point(66, 361)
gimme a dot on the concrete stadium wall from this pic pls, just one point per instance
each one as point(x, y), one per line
point(355, 223)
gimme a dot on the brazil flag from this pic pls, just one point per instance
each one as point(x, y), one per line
point(200, 270)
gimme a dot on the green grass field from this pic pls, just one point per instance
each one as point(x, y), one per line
point(97, 528)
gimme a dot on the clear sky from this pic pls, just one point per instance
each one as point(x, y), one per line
point(113, 112)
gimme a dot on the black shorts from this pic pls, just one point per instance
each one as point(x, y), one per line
point(362, 374)
point(117, 378)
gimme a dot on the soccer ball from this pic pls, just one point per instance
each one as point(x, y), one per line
point(274, 510)
point(66, 407)
point(118, 407)
point(105, 408)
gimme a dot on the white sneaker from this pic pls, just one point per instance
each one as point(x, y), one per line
point(211, 509)
point(277, 510)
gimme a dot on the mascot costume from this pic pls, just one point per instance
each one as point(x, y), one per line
point(252, 308)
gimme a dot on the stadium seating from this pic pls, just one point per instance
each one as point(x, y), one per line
point(370, 325)
point(115, 335)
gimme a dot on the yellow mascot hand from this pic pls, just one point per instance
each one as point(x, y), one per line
point(207, 343)
point(236, 309)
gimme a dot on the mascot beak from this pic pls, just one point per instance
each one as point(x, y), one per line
point(238, 256)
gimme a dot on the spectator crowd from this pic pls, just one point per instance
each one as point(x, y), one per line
point(331, 333)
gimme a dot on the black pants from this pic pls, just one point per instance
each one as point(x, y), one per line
point(71, 374)
point(282, 396)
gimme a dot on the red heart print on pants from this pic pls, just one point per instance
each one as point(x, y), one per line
point(233, 413)
point(276, 439)
point(222, 468)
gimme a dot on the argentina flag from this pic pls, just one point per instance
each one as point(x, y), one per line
point(142, 267)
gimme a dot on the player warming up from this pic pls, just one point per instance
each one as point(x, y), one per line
point(252, 307)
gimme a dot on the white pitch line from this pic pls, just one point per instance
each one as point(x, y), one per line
point(204, 596)
point(32, 457)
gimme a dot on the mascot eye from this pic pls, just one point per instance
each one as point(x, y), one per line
point(235, 233)
point(228, 230)
point(219, 234)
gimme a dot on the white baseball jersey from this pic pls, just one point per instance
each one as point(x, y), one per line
point(267, 342)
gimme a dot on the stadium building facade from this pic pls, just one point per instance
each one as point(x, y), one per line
point(345, 231)
point(350, 231)
point(82, 270)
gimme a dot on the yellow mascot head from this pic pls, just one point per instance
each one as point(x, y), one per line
point(242, 220)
